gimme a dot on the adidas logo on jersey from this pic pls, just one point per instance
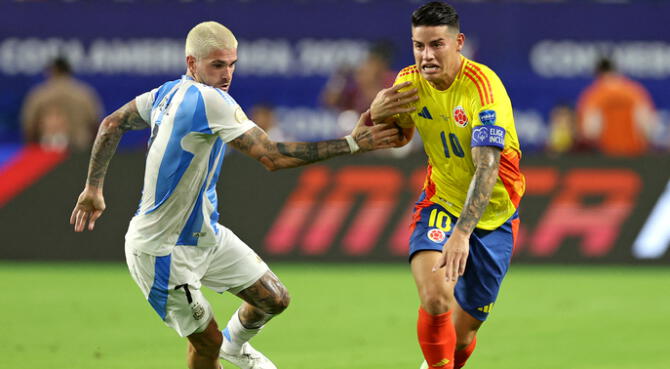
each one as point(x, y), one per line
point(425, 113)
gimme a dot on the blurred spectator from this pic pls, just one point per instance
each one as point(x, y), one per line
point(562, 129)
point(62, 112)
point(355, 89)
point(264, 116)
point(616, 114)
point(351, 92)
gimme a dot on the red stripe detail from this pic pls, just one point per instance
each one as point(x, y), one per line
point(429, 191)
point(29, 165)
point(480, 80)
point(408, 70)
point(479, 88)
point(429, 185)
point(488, 83)
point(515, 231)
point(460, 68)
point(511, 177)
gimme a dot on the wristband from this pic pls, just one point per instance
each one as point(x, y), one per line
point(353, 146)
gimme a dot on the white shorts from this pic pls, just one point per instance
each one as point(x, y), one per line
point(172, 283)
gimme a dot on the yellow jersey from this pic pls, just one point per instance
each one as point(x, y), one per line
point(474, 111)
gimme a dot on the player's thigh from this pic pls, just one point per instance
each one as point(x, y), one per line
point(435, 292)
point(233, 266)
point(488, 261)
point(431, 228)
point(171, 285)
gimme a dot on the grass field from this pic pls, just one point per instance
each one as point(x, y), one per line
point(76, 316)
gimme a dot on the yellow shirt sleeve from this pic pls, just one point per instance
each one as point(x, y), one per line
point(493, 120)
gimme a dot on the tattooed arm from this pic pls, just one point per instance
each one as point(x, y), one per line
point(455, 251)
point(109, 134)
point(487, 161)
point(91, 202)
point(279, 155)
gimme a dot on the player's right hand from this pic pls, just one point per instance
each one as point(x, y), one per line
point(89, 208)
point(375, 137)
point(390, 101)
point(454, 256)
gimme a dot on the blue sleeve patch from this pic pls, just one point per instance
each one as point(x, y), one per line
point(488, 136)
point(487, 117)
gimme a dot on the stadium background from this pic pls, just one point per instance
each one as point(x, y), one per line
point(596, 226)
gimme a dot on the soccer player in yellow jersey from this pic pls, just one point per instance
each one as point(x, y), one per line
point(465, 220)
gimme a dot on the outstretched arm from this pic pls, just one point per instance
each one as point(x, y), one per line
point(455, 251)
point(91, 202)
point(279, 155)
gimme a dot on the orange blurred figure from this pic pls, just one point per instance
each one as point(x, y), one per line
point(616, 114)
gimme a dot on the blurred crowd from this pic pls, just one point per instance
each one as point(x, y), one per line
point(614, 115)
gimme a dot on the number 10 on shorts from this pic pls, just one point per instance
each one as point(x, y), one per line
point(439, 219)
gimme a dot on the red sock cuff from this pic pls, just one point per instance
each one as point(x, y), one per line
point(434, 320)
point(461, 356)
point(437, 338)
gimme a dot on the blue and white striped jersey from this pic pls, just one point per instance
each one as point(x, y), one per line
point(190, 124)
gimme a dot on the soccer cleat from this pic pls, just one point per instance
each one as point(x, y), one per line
point(424, 365)
point(248, 358)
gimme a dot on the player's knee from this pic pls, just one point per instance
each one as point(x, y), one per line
point(463, 342)
point(280, 302)
point(434, 301)
point(435, 305)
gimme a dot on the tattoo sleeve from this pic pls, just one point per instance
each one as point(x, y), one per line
point(108, 137)
point(487, 162)
point(279, 155)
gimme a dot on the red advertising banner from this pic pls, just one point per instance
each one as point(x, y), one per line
point(576, 209)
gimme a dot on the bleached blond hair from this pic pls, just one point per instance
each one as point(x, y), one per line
point(208, 36)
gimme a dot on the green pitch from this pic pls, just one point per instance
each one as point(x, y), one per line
point(83, 316)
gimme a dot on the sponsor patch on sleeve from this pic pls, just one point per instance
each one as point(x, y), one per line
point(240, 117)
point(488, 136)
point(487, 117)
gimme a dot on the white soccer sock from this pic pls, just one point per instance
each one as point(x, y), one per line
point(235, 335)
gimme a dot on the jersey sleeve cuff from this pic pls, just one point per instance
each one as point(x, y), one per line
point(228, 135)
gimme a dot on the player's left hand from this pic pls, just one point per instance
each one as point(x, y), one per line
point(89, 208)
point(374, 137)
point(454, 255)
point(391, 101)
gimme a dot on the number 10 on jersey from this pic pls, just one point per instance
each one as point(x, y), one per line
point(456, 147)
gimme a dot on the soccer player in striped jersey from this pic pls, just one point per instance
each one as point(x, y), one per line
point(174, 244)
point(465, 220)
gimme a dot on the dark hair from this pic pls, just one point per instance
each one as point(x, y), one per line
point(436, 13)
point(382, 50)
point(604, 65)
point(60, 65)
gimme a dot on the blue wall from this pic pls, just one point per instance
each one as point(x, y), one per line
point(543, 52)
